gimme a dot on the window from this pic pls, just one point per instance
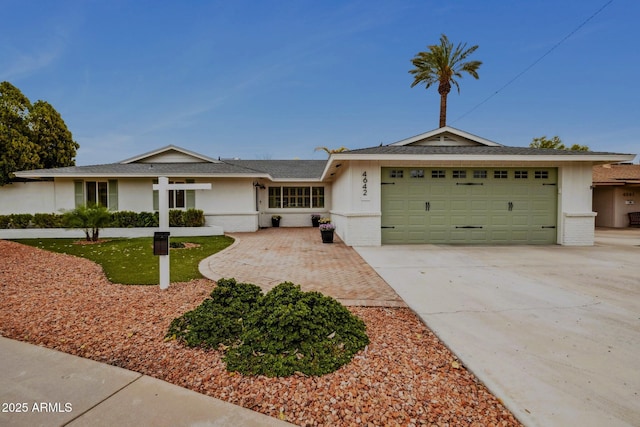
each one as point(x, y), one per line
point(417, 173)
point(459, 174)
point(521, 174)
point(541, 175)
point(96, 193)
point(500, 174)
point(396, 173)
point(296, 197)
point(480, 174)
point(177, 199)
point(438, 173)
point(317, 197)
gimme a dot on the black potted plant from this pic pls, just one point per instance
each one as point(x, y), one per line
point(315, 220)
point(326, 231)
point(275, 220)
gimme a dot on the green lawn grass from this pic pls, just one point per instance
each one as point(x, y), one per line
point(131, 261)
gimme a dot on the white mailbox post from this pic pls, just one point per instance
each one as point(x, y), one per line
point(163, 188)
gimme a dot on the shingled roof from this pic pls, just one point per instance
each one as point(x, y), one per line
point(469, 150)
point(284, 169)
point(620, 174)
point(274, 169)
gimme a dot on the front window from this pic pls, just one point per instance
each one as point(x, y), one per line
point(177, 199)
point(96, 193)
point(296, 197)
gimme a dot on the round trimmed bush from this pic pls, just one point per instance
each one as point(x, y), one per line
point(292, 331)
point(219, 319)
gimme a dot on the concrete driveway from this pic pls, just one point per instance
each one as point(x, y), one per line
point(553, 331)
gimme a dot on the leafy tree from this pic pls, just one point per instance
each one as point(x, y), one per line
point(31, 135)
point(17, 151)
point(442, 64)
point(555, 143)
point(56, 146)
point(90, 218)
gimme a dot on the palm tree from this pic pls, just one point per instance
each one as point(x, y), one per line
point(442, 64)
point(332, 151)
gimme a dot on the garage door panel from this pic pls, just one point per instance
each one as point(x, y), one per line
point(510, 207)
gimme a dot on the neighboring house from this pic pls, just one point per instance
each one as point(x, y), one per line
point(616, 192)
point(443, 186)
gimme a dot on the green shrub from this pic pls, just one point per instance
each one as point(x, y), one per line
point(293, 331)
point(219, 319)
point(278, 334)
point(194, 218)
point(147, 219)
point(47, 220)
point(5, 221)
point(176, 218)
point(20, 220)
point(124, 219)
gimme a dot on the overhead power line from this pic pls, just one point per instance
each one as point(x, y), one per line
point(534, 63)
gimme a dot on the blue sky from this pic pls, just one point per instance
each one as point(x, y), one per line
point(275, 79)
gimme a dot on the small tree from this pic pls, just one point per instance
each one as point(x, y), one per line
point(89, 218)
point(555, 143)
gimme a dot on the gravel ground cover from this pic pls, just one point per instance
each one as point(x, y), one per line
point(406, 376)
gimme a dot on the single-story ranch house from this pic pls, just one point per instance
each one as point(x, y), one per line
point(444, 186)
point(616, 192)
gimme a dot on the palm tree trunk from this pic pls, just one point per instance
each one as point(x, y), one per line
point(443, 110)
point(443, 89)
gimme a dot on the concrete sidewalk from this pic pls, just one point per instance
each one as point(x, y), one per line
point(43, 387)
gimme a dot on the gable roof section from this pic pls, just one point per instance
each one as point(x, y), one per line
point(620, 174)
point(170, 154)
point(446, 136)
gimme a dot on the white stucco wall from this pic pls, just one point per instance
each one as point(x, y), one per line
point(28, 197)
point(356, 212)
point(576, 219)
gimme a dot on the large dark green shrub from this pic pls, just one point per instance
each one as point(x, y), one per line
point(278, 334)
point(220, 318)
point(193, 218)
point(294, 331)
point(47, 220)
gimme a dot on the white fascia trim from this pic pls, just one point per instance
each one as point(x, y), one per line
point(486, 158)
point(168, 148)
point(447, 129)
point(140, 175)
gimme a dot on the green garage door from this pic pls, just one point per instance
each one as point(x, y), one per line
point(469, 205)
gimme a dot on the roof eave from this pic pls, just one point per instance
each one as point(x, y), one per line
point(337, 158)
point(29, 174)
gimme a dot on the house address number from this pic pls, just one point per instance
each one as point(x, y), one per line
point(364, 184)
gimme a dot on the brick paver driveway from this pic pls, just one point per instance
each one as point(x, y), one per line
point(275, 255)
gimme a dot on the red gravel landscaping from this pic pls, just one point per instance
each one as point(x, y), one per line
point(406, 376)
